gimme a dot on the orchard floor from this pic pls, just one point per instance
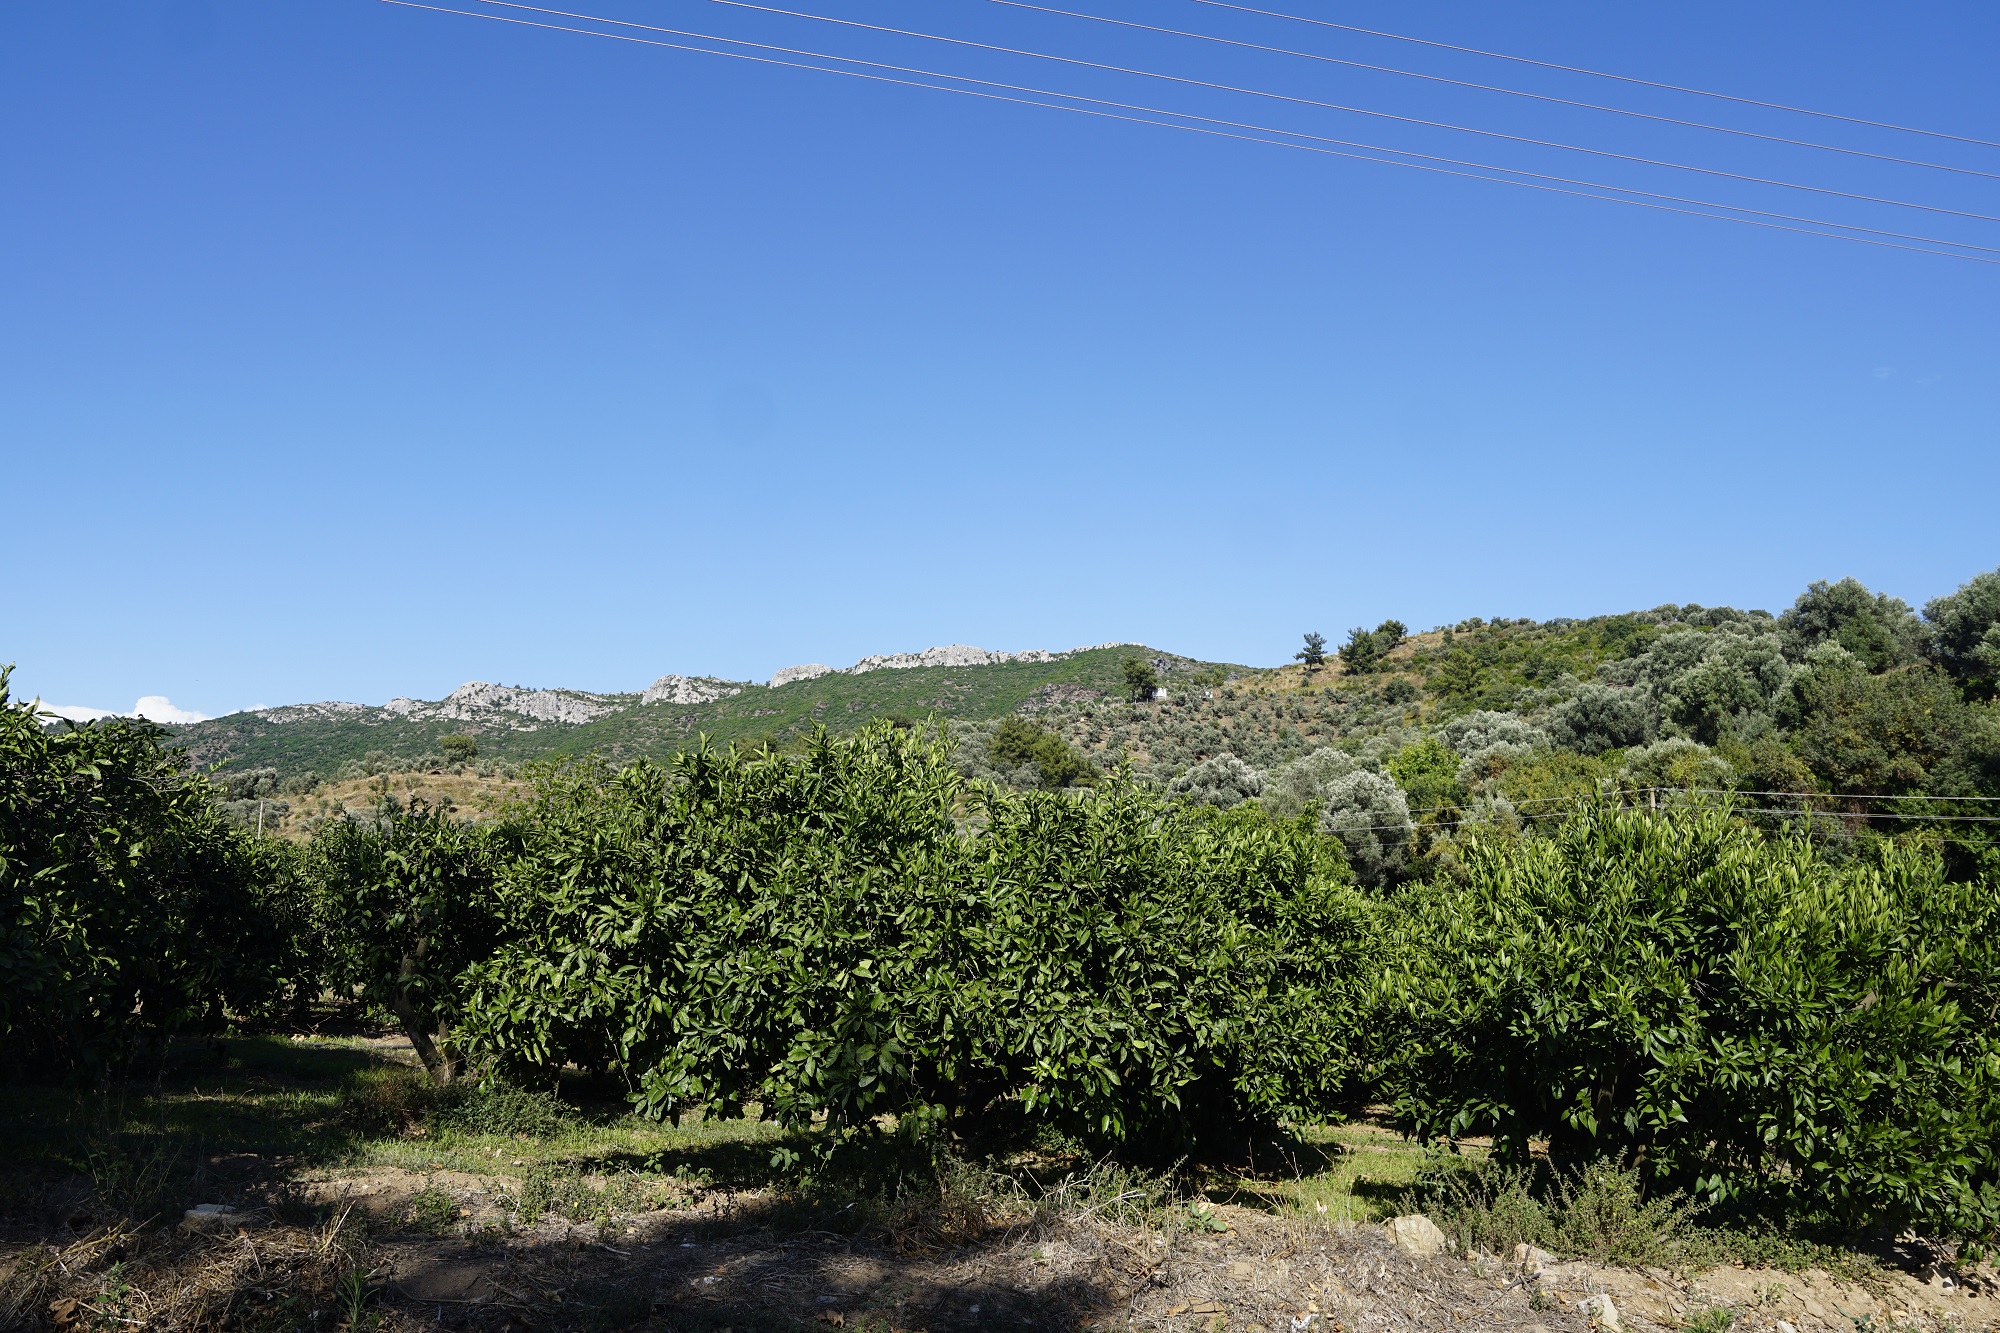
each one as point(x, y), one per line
point(352, 1223)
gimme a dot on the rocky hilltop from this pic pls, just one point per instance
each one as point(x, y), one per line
point(511, 723)
point(944, 655)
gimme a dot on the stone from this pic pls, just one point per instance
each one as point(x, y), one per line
point(1531, 1257)
point(810, 671)
point(949, 654)
point(1600, 1308)
point(510, 706)
point(688, 690)
point(1417, 1236)
point(1783, 1326)
point(208, 1216)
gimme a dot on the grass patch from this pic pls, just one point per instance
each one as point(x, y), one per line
point(1337, 1174)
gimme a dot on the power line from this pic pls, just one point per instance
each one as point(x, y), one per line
point(1482, 87)
point(1473, 173)
point(1879, 814)
point(1825, 795)
point(1641, 791)
point(1222, 87)
point(1600, 74)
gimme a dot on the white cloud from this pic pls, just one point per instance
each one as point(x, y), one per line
point(77, 713)
point(158, 708)
point(154, 708)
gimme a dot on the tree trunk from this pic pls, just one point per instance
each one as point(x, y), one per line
point(432, 1047)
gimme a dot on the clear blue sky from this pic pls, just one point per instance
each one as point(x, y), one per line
point(349, 351)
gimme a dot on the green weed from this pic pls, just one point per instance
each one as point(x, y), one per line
point(430, 1211)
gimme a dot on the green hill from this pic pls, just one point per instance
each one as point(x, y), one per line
point(322, 738)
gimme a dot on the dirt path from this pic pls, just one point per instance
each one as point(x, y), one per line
point(714, 1263)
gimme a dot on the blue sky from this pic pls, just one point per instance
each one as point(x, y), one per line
point(349, 351)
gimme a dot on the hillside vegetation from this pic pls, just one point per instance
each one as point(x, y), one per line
point(1690, 911)
point(333, 742)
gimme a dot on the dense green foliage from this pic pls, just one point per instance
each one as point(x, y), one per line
point(410, 902)
point(824, 935)
point(130, 908)
point(1701, 891)
point(1016, 741)
point(1742, 1018)
point(1365, 649)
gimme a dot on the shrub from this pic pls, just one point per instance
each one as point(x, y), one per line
point(816, 934)
point(1885, 733)
point(413, 905)
point(1601, 717)
point(1370, 816)
point(1964, 633)
point(431, 1211)
point(1399, 690)
point(1596, 1211)
point(1489, 741)
point(1708, 683)
point(1222, 782)
point(1675, 762)
point(1302, 783)
point(249, 784)
point(458, 749)
point(130, 909)
point(1016, 741)
point(1732, 1014)
point(1878, 629)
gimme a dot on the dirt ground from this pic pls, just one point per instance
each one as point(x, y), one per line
point(715, 1261)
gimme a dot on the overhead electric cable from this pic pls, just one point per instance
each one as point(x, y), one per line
point(1600, 74)
point(1829, 795)
point(1466, 83)
point(1199, 83)
point(1143, 120)
point(1876, 814)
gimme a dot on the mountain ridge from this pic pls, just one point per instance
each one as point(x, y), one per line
point(516, 723)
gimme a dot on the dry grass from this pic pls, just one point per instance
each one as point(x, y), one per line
point(471, 795)
point(1292, 679)
point(125, 1277)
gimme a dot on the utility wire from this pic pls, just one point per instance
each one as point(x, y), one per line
point(1824, 795)
point(1719, 791)
point(1599, 74)
point(1221, 87)
point(1474, 168)
point(1862, 814)
point(1467, 83)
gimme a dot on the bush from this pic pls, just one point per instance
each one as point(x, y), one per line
point(1017, 741)
point(130, 909)
point(1489, 741)
point(1878, 629)
point(1370, 816)
point(1600, 717)
point(1597, 1211)
point(1964, 634)
point(1301, 784)
point(1709, 684)
point(1732, 1014)
point(816, 934)
point(412, 905)
point(1675, 763)
point(1222, 782)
